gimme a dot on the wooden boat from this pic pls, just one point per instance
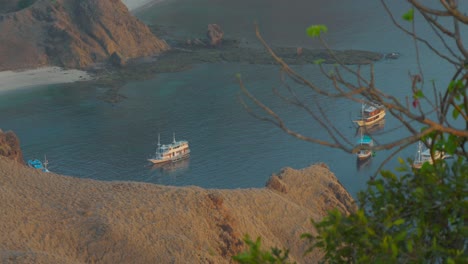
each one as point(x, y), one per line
point(371, 129)
point(365, 143)
point(370, 114)
point(423, 155)
point(175, 151)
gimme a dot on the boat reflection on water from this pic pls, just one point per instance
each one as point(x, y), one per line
point(179, 166)
point(372, 129)
point(362, 164)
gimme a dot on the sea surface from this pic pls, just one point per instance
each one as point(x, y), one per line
point(85, 137)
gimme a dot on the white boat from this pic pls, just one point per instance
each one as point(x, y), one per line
point(365, 143)
point(173, 152)
point(423, 155)
point(370, 114)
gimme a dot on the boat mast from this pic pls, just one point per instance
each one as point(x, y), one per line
point(159, 144)
point(46, 162)
point(418, 155)
point(173, 137)
point(362, 137)
point(362, 113)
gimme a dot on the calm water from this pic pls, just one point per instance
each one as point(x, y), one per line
point(87, 138)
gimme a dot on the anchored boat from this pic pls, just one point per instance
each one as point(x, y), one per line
point(37, 164)
point(173, 152)
point(365, 143)
point(423, 155)
point(370, 114)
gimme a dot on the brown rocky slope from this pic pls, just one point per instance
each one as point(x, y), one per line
point(48, 218)
point(71, 33)
point(10, 146)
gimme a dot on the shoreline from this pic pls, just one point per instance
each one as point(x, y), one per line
point(13, 80)
point(28, 78)
point(135, 5)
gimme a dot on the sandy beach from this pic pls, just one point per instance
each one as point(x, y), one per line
point(12, 80)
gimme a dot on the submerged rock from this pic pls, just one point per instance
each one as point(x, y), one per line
point(392, 55)
point(215, 35)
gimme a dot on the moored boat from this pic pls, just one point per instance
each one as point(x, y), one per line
point(371, 129)
point(37, 164)
point(175, 151)
point(365, 143)
point(423, 155)
point(370, 114)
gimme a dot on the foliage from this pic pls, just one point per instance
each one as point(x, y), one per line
point(255, 255)
point(407, 216)
point(418, 217)
point(316, 30)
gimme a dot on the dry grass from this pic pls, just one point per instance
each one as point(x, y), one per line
point(48, 218)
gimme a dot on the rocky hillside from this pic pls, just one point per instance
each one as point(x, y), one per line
point(48, 218)
point(71, 33)
point(10, 146)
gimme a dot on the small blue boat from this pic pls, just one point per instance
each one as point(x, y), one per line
point(37, 164)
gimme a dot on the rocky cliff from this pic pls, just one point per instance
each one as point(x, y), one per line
point(10, 146)
point(71, 33)
point(48, 218)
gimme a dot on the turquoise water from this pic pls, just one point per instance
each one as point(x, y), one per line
point(85, 137)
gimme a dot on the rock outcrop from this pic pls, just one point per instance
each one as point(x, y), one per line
point(214, 35)
point(48, 218)
point(10, 146)
point(71, 33)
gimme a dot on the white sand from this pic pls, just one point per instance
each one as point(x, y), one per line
point(11, 80)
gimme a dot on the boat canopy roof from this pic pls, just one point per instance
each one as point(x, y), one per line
point(371, 108)
point(37, 164)
point(365, 140)
point(174, 145)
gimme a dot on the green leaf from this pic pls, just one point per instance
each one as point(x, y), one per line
point(394, 250)
point(380, 187)
point(418, 94)
point(455, 113)
point(451, 86)
point(401, 161)
point(399, 221)
point(418, 192)
point(401, 236)
point(315, 30)
point(319, 61)
point(409, 245)
point(370, 231)
point(401, 169)
point(409, 16)
point(451, 144)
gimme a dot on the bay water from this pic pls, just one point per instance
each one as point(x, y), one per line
point(85, 137)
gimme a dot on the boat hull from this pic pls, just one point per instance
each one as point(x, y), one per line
point(364, 156)
point(366, 123)
point(174, 159)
